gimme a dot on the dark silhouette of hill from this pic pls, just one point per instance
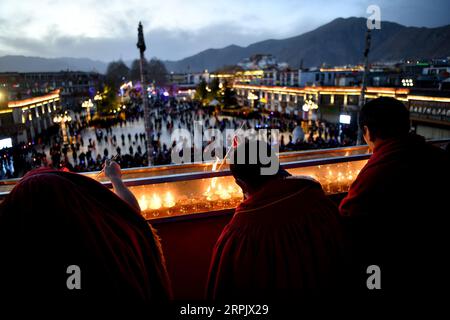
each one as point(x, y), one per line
point(336, 43)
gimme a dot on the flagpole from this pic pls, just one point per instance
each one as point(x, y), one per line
point(362, 96)
point(147, 119)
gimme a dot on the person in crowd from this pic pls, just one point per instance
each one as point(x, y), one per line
point(394, 212)
point(284, 240)
point(54, 223)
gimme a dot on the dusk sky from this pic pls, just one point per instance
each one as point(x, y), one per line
point(174, 29)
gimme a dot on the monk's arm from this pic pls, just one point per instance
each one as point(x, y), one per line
point(125, 194)
point(113, 172)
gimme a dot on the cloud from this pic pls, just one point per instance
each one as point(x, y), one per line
point(106, 30)
point(162, 43)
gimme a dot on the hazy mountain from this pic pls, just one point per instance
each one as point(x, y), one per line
point(337, 43)
point(36, 64)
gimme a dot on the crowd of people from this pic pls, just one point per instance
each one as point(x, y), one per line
point(91, 143)
point(286, 241)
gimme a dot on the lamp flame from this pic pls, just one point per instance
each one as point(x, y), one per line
point(143, 203)
point(155, 202)
point(169, 200)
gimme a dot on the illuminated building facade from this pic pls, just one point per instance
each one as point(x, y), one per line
point(75, 85)
point(425, 106)
point(21, 120)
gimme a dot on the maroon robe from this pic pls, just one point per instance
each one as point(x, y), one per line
point(394, 214)
point(282, 242)
point(54, 219)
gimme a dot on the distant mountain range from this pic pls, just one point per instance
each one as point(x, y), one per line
point(339, 42)
point(37, 64)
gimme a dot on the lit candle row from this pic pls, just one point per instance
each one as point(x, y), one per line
point(156, 202)
point(214, 192)
point(218, 195)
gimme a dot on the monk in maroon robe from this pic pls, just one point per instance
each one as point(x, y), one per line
point(394, 212)
point(52, 220)
point(284, 240)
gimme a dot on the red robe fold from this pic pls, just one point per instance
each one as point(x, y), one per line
point(395, 212)
point(283, 242)
point(398, 170)
point(55, 219)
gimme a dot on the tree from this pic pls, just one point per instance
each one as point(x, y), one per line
point(229, 96)
point(116, 73)
point(110, 101)
point(135, 72)
point(157, 72)
point(200, 92)
point(214, 85)
point(213, 90)
point(154, 72)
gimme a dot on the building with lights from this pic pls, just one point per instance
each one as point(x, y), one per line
point(262, 82)
point(74, 86)
point(430, 107)
point(22, 120)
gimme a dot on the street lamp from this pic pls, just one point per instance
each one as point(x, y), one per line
point(98, 97)
point(309, 106)
point(252, 97)
point(88, 105)
point(407, 82)
point(62, 119)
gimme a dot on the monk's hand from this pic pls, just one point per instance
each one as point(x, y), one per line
point(112, 170)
